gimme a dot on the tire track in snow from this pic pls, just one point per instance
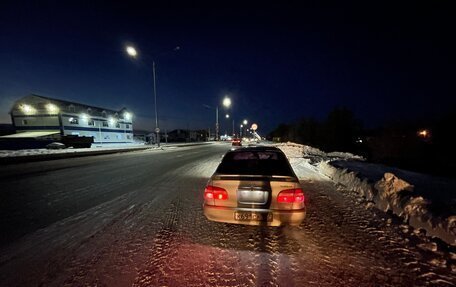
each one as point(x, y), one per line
point(159, 267)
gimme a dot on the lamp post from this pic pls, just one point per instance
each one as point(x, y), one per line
point(226, 103)
point(216, 124)
point(157, 129)
point(228, 116)
point(133, 53)
point(245, 122)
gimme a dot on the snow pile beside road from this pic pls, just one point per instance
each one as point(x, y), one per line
point(292, 150)
point(423, 201)
point(420, 200)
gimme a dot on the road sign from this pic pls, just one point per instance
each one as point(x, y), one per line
point(254, 127)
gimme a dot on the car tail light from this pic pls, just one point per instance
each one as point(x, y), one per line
point(295, 195)
point(213, 192)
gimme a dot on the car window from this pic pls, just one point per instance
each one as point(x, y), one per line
point(255, 163)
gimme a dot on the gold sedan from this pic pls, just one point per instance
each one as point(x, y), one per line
point(255, 186)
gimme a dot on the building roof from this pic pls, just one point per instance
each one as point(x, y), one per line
point(64, 106)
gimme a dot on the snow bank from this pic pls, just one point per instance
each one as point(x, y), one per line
point(43, 151)
point(423, 201)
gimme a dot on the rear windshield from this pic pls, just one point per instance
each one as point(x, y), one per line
point(255, 163)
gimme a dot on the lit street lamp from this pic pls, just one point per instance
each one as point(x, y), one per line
point(131, 51)
point(226, 103)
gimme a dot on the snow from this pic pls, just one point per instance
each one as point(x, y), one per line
point(94, 148)
point(422, 201)
point(150, 230)
point(43, 151)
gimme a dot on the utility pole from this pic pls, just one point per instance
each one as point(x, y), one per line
point(216, 124)
point(157, 129)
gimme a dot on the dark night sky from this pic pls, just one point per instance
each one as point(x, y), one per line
point(277, 62)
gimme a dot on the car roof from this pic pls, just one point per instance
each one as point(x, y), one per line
point(257, 148)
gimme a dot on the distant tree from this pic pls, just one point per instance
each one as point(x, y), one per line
point(341, 129)
point(282, 132)
point(309, 132)
point(338, 132)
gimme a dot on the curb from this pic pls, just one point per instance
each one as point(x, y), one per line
point(55, 156)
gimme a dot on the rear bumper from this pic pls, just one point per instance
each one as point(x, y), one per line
point(279, 217)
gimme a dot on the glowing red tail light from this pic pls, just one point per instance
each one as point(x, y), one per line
point(214, 192)
point(291, 196)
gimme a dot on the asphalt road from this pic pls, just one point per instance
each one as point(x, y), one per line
point(135, 219)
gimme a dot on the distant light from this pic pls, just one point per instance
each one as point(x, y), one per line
point(70, 119)
point(245, 122)
point(227, 116)
point(112, 121)
point(227, 102)
point(131, 51)
point(424, 133)
point(242, 126)
point(27, 109)
point(127, 116)
point(52, 109)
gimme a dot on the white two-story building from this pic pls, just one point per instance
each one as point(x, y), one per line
point(38, 116)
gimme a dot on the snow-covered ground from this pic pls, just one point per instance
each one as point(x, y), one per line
point(94, 148)
point(421, 200)
point(43, 151)
point(136, 219)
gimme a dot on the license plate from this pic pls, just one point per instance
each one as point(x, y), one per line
point(252, 216)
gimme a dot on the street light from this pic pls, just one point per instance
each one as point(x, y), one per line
point(226, 102)
point(245, 122)
point(131, 51)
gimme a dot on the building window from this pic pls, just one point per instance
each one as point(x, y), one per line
point(73, 121)
point(71, 108)
point(127, 126)
point(90, 122)
point(105, 123)
point(24, 122)
point(117, 125)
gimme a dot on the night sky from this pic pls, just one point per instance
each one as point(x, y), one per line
point(277, 62)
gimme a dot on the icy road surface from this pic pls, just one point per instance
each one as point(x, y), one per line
point(136, 219)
